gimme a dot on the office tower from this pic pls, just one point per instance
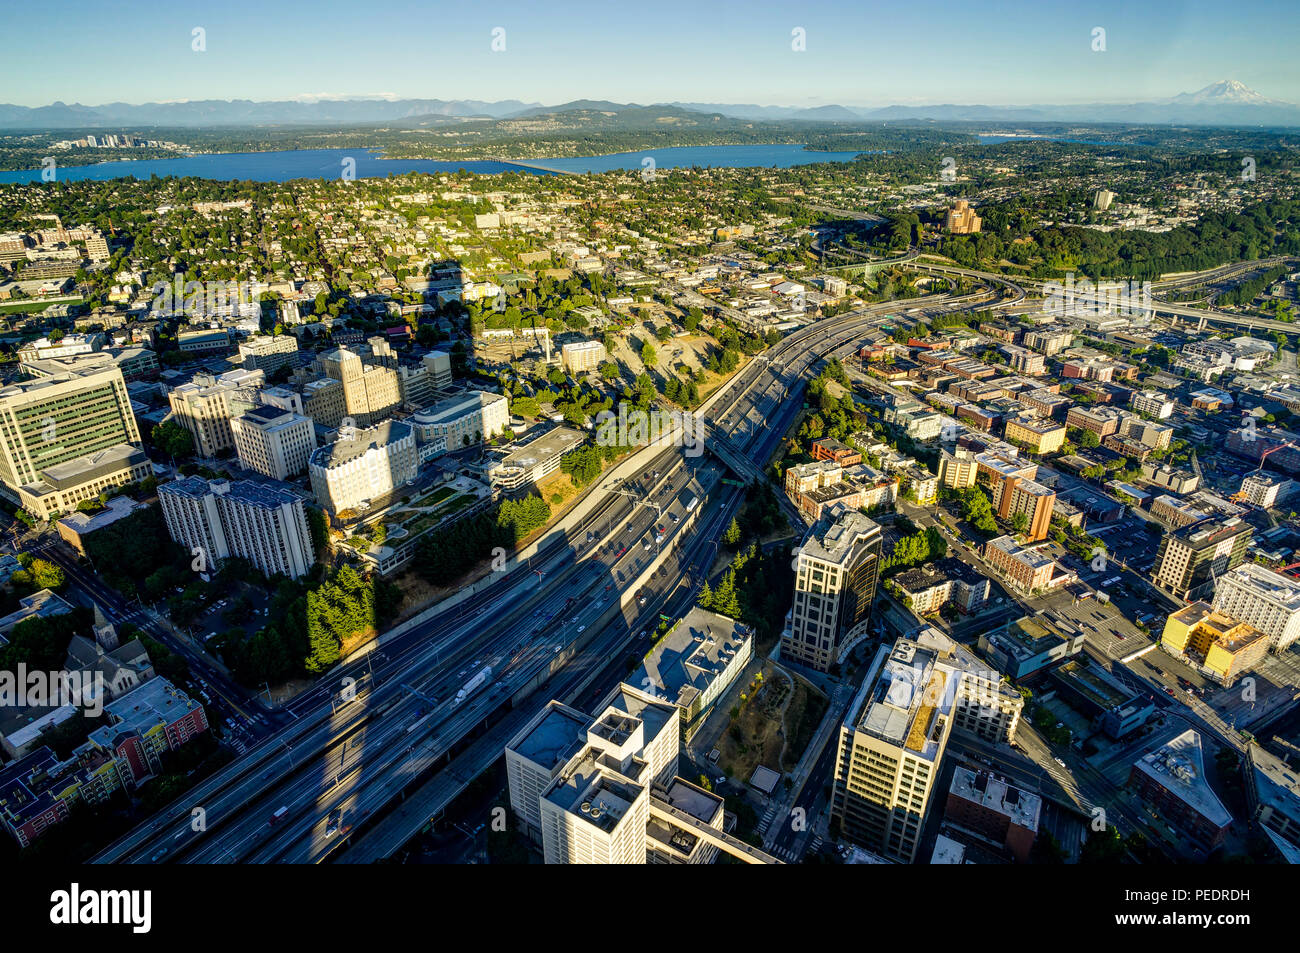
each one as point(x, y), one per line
point(890, 749)
point(363, 466)
point(836, 572)
point(371, 388)
point(205, 406)
point(264, 524)
point(67, 437)
point(1193, 557)
point(274, 442)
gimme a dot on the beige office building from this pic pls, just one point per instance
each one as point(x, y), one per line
point(273, 442)
point(205, 406)
point(961, 219)
point(371, 386)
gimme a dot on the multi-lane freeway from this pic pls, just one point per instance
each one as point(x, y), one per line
point(371, 732)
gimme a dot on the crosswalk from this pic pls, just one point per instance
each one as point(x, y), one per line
point(795, 853)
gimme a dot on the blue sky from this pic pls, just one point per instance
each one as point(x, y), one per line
point(858, 53)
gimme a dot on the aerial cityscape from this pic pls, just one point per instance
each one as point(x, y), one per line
point(549, 461)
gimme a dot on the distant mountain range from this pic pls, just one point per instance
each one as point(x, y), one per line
point(1225, 103)
point(244, 112)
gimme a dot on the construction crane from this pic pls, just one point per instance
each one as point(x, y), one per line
point(1240, 495)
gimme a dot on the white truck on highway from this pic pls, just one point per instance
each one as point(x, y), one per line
point(474, 684)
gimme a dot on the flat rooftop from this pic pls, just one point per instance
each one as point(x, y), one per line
point(545, 446)
point(592, 793)
point(691, 657)
point(101, 463)
point(1179, 767)
point(1092, 683)
point(905, 696)
point(1022, 808)
point(454, 408)
point(1275, 586)
point(554, 737)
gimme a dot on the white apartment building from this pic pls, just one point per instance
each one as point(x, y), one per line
point(273, 442)
point(363, 465)
point(582, 356)
point(263, 524)
point(1156, 403)
point(268, 353)
point(1261, 598)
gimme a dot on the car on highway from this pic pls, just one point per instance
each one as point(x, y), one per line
point(1059, 761)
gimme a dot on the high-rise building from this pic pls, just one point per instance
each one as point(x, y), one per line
point(264, 524)
point(205, 406)
point(422, 381)
point(580, 357)
point(371, 388)
point(957, 470)
point(836, 573)
point(1193, 557)
point(1101, 201)
point(1011, 483)
point(961, 219)
point(273, 442)
point(1266, 600)
point(67, 437)
point(891, 747)
point(363, 466)
point(268, 353)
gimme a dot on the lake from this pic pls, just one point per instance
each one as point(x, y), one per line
point(328, 164)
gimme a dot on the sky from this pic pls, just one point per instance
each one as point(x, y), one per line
point(857, 53)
